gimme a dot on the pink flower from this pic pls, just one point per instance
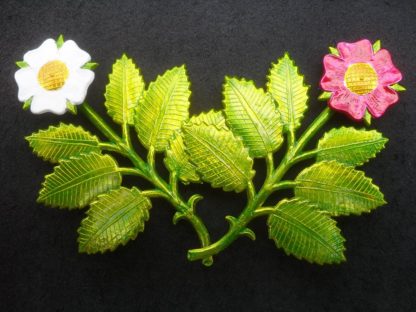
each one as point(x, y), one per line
point(360, 79)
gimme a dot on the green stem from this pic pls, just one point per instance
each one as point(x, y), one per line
point(126, 134)
point(306, 155)
point(151, 157)
point(282, 185)
point(269, 165)
point(258, 199)
point(109, 147)
point(173, 181)
point(129, 171)
point(148, 171)
point(97, 121)
point(263, 211)
point(154, 194)
point(290, 137)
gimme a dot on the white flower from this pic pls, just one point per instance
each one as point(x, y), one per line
point(53, 77)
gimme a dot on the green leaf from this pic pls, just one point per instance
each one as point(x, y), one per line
point(90, 65)
point(60, 41)
point(302, 231)
point(350, 146)
point(177, 160)
point(211, 118)
point(338, 189)
point(164, 107)
point(252, 115)
point(77, 181)
point(334, 51)
point(62, 142)
point(325, 96)
point(398, 87)
point(27, 103)
point(22, 64)
point(287, 87)
point(71, 108)
point(219, 156)
point(123, 91)
point(376, 46)
point(367, 118)
point(113, 220)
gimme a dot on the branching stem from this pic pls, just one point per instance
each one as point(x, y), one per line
point(254, 203)
point(148, 171)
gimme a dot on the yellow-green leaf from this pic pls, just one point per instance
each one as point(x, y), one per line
point(62, 142)
point(288, 89)
point(220, 158)
point(334, 51)
point(77, 181)
point(113, 220)
point(60, 41)
point(398, 87)
point(350, 146)
point(338, 189)
point(123, 91)
point(302, 231)
point(177, 160)
point(252, 115)
point(376, 46)
point(164, 107)
point(210, 118)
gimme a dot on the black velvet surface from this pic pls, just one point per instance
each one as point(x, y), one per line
point(40, 268)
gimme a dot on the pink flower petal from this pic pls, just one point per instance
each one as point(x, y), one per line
point(380, 99)
point(348, 102)
point(335, 68)
point(387, 73)
point(360, 51)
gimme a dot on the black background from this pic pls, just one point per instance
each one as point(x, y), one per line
point(40, 268)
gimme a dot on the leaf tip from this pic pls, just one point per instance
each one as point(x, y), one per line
point(60, 41)
point(376, 46)
point(22, 64)
point(325, 96)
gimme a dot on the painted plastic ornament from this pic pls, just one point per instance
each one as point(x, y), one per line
point(217, 147)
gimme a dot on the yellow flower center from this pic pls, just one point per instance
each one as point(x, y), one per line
point(361, 78)
point(52, 75)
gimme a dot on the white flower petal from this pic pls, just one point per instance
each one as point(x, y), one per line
point(27, 83)
point(48, 101)
point(75, 88)
point(46, 52)
point(72, 55)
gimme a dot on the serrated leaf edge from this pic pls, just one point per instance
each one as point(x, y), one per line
point(133, 189)
point(327, 134)
point(56, 127)
point(337, 230)
point(361, 173)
